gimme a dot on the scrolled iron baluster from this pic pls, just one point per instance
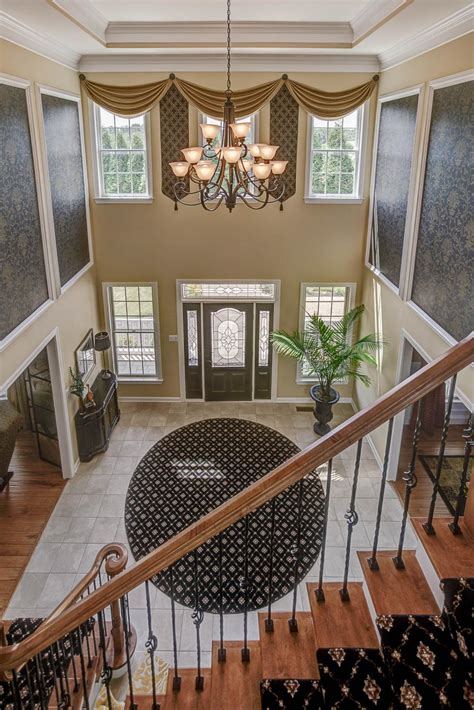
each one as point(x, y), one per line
point(221, 653)
point(127, 633)
point(296, 554)
point(176, 676)
point(319, 592)
point(428, 525)
point(73, 663)
point(106, 674)
point(61, 665)
point(372, 561)
point(16, 689)
point(40, 679)
point(85, 699)
point(352, 519)
point(244, 586)
point(197, 617)
point(467, 436)
point(269, 620)
point(30, 686)
point(151, 644)
point(410, 483)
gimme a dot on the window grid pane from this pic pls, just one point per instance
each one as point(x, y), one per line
point(122, 155)
point(133, 330)
point(203, 291)
point(335, 155)
point(329, 303)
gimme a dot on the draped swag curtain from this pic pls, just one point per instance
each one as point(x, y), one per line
point(174, 94)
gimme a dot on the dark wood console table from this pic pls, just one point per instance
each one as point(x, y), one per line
point(94, 426)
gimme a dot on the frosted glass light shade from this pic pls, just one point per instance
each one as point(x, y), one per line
point(180, 168)
point(241, 130)
point(246, 164)
point(205, 169)
point(254, 149)
point(278, 166)
point(267, 152)
point(231, 153)
point(209, 131)
point(192, 155)
point(262, 170)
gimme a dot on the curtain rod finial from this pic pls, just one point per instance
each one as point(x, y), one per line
point(172, 76)
point(376, 77)
point(82, 77)
point(284, 77)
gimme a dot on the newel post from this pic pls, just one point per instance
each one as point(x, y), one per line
point(114, 566)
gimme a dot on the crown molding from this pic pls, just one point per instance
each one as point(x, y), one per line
point(375, 14)
point(84, 15)
point(248, 62)
point(447, 30)
point(244, 34)
point(18, 33)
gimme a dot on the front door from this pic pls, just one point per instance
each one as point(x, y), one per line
point(228, 351)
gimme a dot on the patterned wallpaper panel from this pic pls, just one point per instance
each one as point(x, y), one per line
point(443, 284)
point(63, 147)
point(23, 285)
point(392, 180)
point(284, 112)
point(174, 135)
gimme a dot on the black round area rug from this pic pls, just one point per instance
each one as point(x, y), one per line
point(193, 470)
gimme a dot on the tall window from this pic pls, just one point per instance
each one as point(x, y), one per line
point(335, 149)
point(122, 146)
point(329, 302)
point(132, 311)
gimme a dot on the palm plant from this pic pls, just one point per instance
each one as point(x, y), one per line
point(327, 350)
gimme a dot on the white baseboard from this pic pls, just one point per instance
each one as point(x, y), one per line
point(277, 400)
point(152, 399)
point(307, 400)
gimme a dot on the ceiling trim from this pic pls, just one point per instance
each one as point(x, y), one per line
point(447, 30)
point(18, 33)
point(85, 15)
point(374, 15)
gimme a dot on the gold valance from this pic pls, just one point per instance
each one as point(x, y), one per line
point(138, 99)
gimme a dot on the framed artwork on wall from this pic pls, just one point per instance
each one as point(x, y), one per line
point(393, 188)
point(85, 355)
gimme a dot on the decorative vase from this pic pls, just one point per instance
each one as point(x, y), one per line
point(323, 409)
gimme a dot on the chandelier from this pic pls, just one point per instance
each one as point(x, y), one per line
point(214, 174)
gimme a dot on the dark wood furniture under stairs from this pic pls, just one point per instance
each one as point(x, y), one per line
point(94, 426)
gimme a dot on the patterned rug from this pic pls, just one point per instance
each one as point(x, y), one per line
point(198, 467)
point(450, 478)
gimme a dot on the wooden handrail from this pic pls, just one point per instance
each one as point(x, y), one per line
point(248, 500)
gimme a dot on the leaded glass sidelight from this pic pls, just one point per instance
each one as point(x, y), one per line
point(192, 338)
point(263, 338)
point(228, 338)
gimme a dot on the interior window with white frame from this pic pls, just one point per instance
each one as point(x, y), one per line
point(122, 155)
point(334, 157)
point(327, 301)
point(132, 312)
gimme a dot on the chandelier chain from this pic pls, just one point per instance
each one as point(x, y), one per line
point(228, 47)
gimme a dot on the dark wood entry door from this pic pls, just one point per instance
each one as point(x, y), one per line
point(228, 351)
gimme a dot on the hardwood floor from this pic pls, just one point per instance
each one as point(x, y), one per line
point(25, 507)
point(428, 445)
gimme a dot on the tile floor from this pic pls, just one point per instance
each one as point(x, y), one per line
point(90, 514)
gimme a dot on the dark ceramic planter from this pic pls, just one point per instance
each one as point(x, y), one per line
point(323, 410)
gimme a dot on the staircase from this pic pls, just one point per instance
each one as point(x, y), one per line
point(400, 638)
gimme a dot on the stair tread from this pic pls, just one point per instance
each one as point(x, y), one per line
point(286, 654)
point(188, 698)
point(235, 684)
point(342, 624)
point(451, 555)
point(398, 591)
point(145, 702)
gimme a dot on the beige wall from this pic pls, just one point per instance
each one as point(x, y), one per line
point(77, 310)
point(386, 311)
point(303, 243)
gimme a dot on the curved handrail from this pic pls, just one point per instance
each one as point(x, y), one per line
point(396, 400)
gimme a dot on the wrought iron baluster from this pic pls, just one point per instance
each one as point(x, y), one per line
point(57, 681)
point(40, 679)
point(85, 698)
point(151, 645)
point(88, 648)
point(127, 632)
point(352, 519)
point(467, 436)
point(428, 525)
point(269, 620)
point(319, 592)
point(221, 653)
point(73, 662)
point(92, 633)
point(16, 689)
point(296, 551)
point(61, 669)
point(244, 586)
point(197, 617)
point(30, 685)
point(372, 561)
point(176, 676)
point(106, 674)
point(411, 481)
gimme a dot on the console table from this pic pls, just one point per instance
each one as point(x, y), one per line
point(94, 426)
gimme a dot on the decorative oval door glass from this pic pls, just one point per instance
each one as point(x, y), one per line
point(228, 338)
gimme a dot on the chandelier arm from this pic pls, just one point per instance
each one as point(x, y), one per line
point(254, 204)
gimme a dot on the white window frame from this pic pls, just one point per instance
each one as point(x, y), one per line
point(99, 196)
point(305, 379)
point(356, 198)
point(107, 294)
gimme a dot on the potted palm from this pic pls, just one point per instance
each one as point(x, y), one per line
point(329, 356)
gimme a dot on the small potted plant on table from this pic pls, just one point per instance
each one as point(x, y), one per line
point(329, 356)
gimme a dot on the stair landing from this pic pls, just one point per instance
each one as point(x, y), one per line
point(286, 654)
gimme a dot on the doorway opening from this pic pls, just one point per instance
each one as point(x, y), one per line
point(225, 350)
point(432, 420)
